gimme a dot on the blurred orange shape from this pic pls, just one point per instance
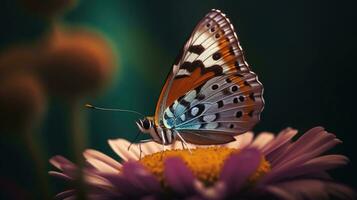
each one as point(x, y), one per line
point(22, 102)
point(18, 58)
point(76, 62)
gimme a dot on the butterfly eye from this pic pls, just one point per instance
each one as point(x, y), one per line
point(146, 124)
point(217, 35)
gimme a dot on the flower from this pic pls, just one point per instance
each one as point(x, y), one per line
point(249, 168)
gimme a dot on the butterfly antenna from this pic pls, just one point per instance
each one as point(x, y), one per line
point(111, 109)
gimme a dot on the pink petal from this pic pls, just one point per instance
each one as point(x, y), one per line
point(150, 148)
point(59, 161)
point(178, 145)
point(120, 147)
point(242, 141)
point(101, 161)
point(262, 140)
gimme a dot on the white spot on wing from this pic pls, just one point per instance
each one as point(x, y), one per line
point(194, 111)
point(183, 117)
point(169, 113)
point(212, 125)
point(183, 72)
point(209, 118)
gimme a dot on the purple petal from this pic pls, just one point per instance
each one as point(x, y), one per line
point(273, 156)
point(215, 192)
point(305, 139)
point(178, 176)
point(149, 197)
point(59, 161)
point(60, 175)
point(140, 177)
point(283, 137)
point(315, 165)
point(135, 181)
point(311, 144)
point(65, 194)
point(279, 146)
point(317, 175)
point(310, 189)
point(239, 167)
point(301, 159)
point(70, 171)
point(315, 140)
point(123, 186)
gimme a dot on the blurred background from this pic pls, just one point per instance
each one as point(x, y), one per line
point(57, 55)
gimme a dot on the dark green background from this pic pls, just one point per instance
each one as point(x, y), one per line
point(303, 51)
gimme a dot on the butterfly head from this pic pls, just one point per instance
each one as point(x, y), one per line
point(145, 125)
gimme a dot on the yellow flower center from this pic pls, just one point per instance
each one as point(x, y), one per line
point(205, 163)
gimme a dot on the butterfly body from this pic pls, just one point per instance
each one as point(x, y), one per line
point(210, 94)
point(159, 134)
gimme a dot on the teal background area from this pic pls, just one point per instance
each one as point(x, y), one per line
point(303, 51)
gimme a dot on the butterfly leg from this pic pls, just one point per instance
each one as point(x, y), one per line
point(183, 146)
point(184, 143)
point(163, 141)
point(139, 143)
point(140, 151)
point(146, 140)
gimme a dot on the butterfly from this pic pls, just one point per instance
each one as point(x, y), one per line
point(211, 94)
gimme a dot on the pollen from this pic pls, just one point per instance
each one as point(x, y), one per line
point(205, 163)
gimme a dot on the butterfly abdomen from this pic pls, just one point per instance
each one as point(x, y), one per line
point(162, 135)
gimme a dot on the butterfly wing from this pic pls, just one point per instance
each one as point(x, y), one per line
point(211, 50)
point(211, 94)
